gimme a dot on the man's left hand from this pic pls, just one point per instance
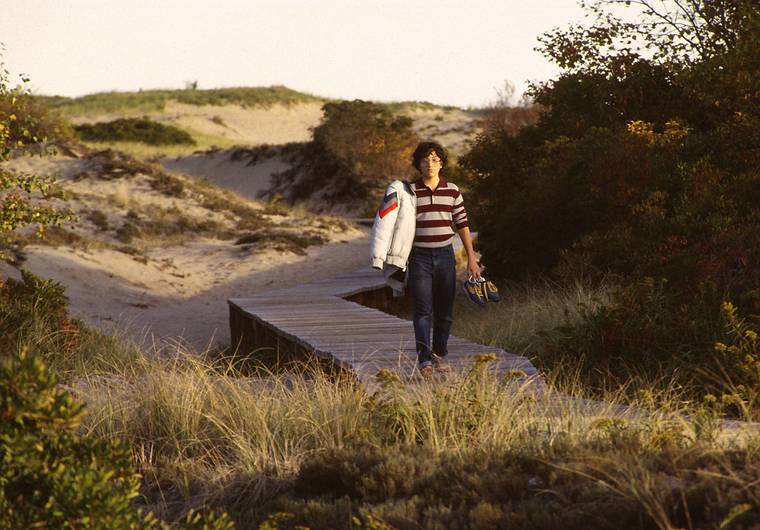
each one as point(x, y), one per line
point(473, 268)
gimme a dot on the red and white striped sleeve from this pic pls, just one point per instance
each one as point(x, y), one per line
point(458, 213)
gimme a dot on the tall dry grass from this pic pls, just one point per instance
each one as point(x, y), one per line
point(203, 433)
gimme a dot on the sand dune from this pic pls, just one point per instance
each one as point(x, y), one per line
point(171, 287)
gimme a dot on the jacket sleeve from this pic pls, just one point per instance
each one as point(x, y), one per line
point(382, 229)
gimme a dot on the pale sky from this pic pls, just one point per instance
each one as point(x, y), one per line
point(446, 52)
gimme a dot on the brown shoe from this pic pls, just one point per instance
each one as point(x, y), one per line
point(427, 371)
point(440, 363)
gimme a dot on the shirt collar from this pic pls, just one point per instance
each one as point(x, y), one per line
point(419, 184)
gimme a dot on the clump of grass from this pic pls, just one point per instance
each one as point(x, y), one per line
point(167, 184)
point(110, 164)
point(275, 206)
point(53, 236)
point(127, 232)
point(167, 225)
point(282, 240)
point(133, 130)
point(99, 219)
point(526, 314)
point(135, 252)
point(219, 200)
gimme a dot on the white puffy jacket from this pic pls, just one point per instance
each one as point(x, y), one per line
point(394, 227)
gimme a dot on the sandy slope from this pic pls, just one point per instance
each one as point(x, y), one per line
point(173, 286)
point(277, 125)
point(220, 167)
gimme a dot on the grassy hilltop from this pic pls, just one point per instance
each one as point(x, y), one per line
point(152, 100)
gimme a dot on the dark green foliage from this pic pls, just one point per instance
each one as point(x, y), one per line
point(595, 487)
point(606, 157)
point(359, 147)
point(133, 130)
point(365, 473)
point(34, 307)
point(34, 317)
point(641, 165)
point(51, 475)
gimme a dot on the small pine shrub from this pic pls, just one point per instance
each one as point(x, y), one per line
point(34, 307)
point(51, 476)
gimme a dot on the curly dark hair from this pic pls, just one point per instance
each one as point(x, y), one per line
point(424, 149)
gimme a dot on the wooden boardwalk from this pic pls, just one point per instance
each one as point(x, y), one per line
point(337, 319)
point(321, 318)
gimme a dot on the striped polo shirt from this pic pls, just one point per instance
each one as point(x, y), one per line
point(437, 212)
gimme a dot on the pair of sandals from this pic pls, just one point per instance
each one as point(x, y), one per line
point(480, 291)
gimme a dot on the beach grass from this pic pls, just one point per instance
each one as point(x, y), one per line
point(203, 434)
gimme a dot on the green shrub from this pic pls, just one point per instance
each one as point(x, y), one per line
point(51, 476)
point(34, 307)
point(133, 130)
point(739, 353)
point(34, 317)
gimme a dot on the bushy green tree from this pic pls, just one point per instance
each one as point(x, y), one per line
point(644, 163)
point(357, 148)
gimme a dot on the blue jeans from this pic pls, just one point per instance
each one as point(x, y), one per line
point(432, 284)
